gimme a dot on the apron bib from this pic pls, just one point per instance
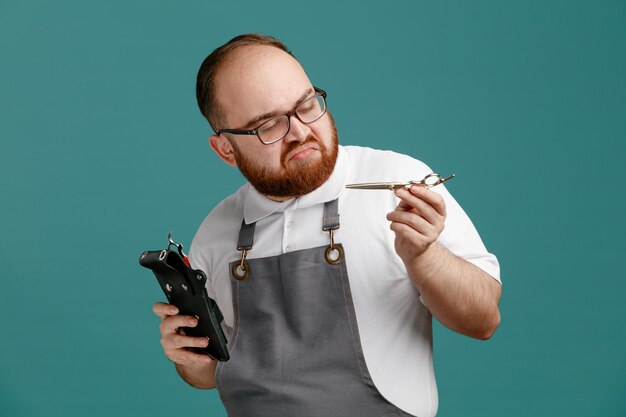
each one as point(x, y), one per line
point(295, 348)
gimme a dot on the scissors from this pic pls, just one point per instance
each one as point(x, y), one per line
point(429, 181)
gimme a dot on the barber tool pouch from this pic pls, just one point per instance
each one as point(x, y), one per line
point(184, 287)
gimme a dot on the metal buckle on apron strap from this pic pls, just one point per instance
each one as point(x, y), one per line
point(333, 254)
point(240, 271)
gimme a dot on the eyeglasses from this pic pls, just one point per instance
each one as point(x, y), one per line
point(276, 128)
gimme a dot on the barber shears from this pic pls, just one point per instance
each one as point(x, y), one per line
point(429, 181)
point(171, 242)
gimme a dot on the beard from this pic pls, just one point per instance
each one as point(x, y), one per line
point(296, 180)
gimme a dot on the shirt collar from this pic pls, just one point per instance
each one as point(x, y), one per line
point(257, 206)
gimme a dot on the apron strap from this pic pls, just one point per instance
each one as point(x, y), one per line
point(333, 253)
point(331, 215)
point(246, 236)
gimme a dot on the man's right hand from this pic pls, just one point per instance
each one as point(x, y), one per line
point(197, 369)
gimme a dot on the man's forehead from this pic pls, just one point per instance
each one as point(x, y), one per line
point(258, 80)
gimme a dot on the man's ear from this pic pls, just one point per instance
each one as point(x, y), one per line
point(223, 149)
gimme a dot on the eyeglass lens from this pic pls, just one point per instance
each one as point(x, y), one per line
point(307, 112)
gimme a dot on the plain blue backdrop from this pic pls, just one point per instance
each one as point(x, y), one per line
point(102, 151)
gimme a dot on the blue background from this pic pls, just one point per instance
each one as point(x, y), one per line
point(103, 151)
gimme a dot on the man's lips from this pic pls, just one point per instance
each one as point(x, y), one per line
point(302, 152)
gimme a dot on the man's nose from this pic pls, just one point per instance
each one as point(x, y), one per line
point(298, 131)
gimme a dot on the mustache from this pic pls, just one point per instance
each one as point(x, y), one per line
point(295, 145)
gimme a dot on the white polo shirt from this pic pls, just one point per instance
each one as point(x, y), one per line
point(395, 327)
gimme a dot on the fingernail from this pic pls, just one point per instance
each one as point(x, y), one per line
point(174, 311)
point(192, 322)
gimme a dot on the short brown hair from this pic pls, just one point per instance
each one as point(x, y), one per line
point(205, 88)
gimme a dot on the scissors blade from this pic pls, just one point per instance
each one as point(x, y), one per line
point(378, 185)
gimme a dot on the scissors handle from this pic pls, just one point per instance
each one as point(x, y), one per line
point(445, 179)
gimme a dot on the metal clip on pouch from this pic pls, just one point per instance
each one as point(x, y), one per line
point(184, 288)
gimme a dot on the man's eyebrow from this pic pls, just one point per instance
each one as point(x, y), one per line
point(268, 115)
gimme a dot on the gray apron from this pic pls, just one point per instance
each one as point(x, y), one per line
point(295, 348)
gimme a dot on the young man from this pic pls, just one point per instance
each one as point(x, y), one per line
point(327, 293)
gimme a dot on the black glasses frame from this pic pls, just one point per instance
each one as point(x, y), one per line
point(292, 112)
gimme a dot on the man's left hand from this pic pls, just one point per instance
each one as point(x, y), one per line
point(417, 221)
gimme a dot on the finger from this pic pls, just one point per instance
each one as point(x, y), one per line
point(170, 324)
point(407, 233)
point(402, 230)
point(164, 310)
point(431, 197)
point(178, 341)
point(177, 347)
point(424, 208)
point(186, 357)
point(403, 204)
point(414, 221)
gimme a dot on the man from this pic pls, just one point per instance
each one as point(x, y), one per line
point(327, 293)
